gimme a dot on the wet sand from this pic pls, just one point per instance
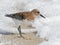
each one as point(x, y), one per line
point(15, 39)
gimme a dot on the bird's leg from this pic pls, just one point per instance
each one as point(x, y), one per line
point(19, 29)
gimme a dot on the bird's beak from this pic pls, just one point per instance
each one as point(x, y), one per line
point(42, 16)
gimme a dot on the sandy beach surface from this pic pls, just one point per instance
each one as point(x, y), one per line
point(30, 37)
point(15, 39)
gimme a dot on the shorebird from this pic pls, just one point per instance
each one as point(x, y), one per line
point(23, 16)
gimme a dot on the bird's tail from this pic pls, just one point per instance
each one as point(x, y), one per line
point(10, 15)
point(16, 16)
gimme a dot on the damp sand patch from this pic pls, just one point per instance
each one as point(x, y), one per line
point(14, 39)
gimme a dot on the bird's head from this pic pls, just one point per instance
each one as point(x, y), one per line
point(36, 12)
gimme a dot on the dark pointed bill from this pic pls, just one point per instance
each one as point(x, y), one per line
point(42, 16)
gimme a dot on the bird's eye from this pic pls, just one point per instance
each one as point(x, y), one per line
point(38, 12)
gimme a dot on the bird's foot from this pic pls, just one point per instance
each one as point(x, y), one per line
point(20, 36)
point(25, 37)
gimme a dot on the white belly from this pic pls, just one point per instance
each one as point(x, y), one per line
point(22, 22)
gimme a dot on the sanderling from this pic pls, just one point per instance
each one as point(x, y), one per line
point(23, 16)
